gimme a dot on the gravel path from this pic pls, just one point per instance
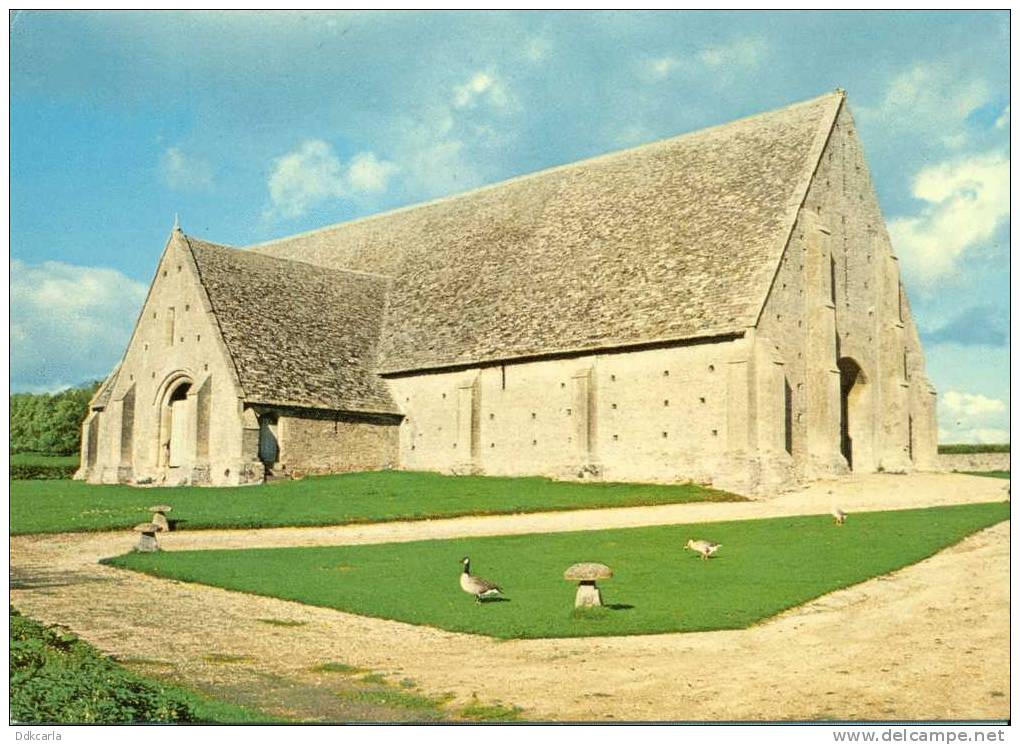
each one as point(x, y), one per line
point(929, 641)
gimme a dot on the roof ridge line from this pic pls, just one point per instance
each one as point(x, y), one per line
point(251, 250)
point(532, 174)
point(820, 142)
point(215, 313)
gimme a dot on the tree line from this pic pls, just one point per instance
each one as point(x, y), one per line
point(50, 423)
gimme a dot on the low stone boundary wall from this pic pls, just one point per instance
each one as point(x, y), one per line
point(974, 461)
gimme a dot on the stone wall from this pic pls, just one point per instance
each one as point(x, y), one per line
point(649, 415)
point(974, 461)
point(837, 295)
point(314, 442)
point(175, 342)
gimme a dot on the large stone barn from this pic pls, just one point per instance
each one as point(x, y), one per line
point(722, 307)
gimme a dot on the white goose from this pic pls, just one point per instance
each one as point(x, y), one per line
point(705, 548)
point(472, 585)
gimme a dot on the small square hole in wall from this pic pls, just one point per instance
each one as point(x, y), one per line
point(131, 377)
point(711, 368)
point(563, 385)
point(492, 416)
point(182, 340)
point(198, 337)
point(612, 378)
point(665, 373)
point(534, 442)
point(187, 306)
point(164, 272)
point(146, 347)
point(153, 314)
point(665, 402)
point(701, 399)
point(616, 437)
point(715, 432)
point(205, 366)
point(532, 415)
point(154, 376)
point(407, 400)
point(178, 267)
point(444, 395)
point(412, 447)
point(613, 405)
point(779, 317)
point(454, 446)
point(569, 412)
point(665, 435)
point(492, 444)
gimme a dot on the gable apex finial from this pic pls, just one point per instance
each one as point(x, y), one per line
point(177, 222)
point(841, 91)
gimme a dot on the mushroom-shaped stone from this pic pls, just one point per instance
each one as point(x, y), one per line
point(585, 574)
point(147, 537)
point(159, 516)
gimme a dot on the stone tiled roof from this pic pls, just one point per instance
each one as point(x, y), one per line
point(299, 334)
point(672, 240)
point(101, 398)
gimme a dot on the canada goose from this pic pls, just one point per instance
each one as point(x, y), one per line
point(472, 585)
point(705, 548)
point(838, 515)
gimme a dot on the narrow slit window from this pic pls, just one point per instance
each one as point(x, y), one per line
point(832, 280)
point(170, 312)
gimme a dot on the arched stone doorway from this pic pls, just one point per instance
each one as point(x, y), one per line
point(855, 419)
point(176, 430)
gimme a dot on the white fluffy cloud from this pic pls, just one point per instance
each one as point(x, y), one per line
point(1003, 121)
point(312, 174)
point(367, 174)
point(185, 172)
point(744, 53)
point(972, 417)
point(931, 102)
point(69, 324)
point(482, 88)
point(966, 200)
point(735, 56)
point(449, 145)
point(971, 404)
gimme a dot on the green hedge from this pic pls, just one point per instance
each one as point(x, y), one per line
point(967, 448)
point(20, 471)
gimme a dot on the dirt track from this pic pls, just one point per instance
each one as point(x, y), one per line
point(930, 641)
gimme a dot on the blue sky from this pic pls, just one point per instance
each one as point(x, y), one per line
point(262, 124)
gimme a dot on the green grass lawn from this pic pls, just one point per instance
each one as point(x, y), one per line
point(989, 474)
point(57, 506)
point(763, 567)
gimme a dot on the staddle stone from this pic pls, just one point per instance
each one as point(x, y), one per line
point(159, 516)
point(147, 538)
point(585, 574)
